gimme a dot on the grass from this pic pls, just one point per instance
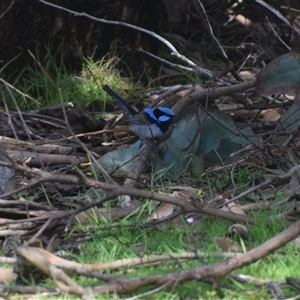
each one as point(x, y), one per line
point(80, 89)
point(113, 241)
point(110, 243)
point(127, 238)
point(121, 240)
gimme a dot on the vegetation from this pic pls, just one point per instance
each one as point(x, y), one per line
point(213, 209)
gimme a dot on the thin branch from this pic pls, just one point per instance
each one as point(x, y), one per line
point(8, 9)
point(83, 146)
point(278, 14)
point(203, 72)
point(212, 32)
point(18, 91)
point(274, 181)
point(276, 34)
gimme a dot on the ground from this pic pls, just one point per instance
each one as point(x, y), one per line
point(216, 200)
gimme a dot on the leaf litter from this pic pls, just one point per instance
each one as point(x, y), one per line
point(54, 187)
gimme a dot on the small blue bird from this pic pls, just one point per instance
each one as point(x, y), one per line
point(150, 123)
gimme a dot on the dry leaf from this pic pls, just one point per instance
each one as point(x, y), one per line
point(239, 229)
point(270, 115)
point(163, 211)
point(294, 183)
point(228, 245)
point(296, 242)
point(234, 208)
point(7, 275)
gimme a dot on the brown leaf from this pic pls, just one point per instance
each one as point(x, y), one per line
point(234, 208)
point(238, 229)
point(7, 275)
point(270, 115)
point(228, 245)
point(164, 210)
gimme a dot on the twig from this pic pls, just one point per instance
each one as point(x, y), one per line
point(29, 289)
point(215, 271)
point(276, 180)
point(223, 53)
point(278, 14)
point(275, 290)
point(204, 73)
point(279, 38)
point(137, 297)
point(40, 231)
point(5, 12)
point(233, 182)
point(117, 190)
point(84, 147)
point(5, 83)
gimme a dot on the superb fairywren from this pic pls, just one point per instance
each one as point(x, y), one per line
point(150, 123)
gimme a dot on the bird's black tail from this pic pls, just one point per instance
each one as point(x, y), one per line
point(113, 94)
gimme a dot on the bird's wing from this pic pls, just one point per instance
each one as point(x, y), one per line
point(138, 119)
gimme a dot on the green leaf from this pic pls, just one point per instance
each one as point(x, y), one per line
point(121, 159)
point(197, 164)
point(244, 136)
point(207, 144)
point(226, 148)
point(176, 153)
point(197, 136)
point(216, 124)
point(280, 76)
point(289, 122)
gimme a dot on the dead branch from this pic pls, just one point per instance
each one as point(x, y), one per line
point(201, 71)
point(44, 261)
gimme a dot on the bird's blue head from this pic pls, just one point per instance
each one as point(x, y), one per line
point(159, 114)
point(161, 118)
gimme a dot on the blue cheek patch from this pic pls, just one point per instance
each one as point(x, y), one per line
point(159, 115)
point(163, 119)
